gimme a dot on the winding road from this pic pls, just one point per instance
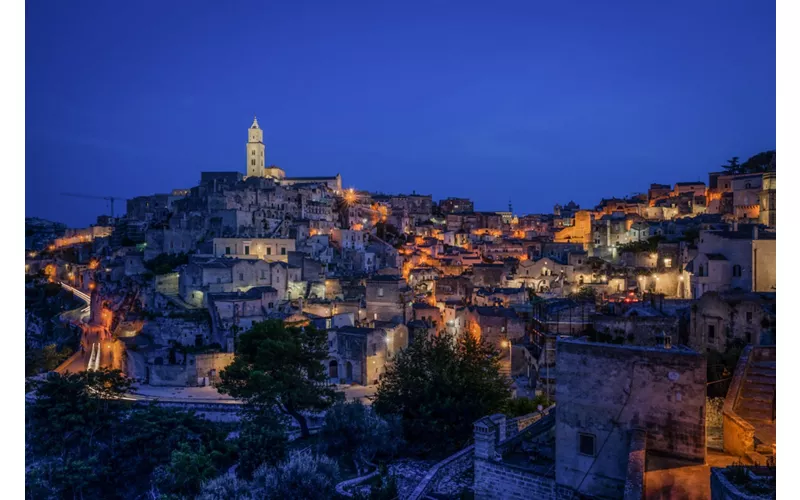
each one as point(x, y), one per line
point(97, 350)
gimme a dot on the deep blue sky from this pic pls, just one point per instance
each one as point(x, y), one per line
point(537, 102)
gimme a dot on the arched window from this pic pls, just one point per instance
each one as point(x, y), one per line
point(737, 271)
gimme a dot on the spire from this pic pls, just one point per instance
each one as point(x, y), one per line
point(255, 122)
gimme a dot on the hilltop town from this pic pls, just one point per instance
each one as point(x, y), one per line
point(634, 340)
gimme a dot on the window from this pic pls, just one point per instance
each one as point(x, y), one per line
point(227, 250)
point(253, 163)
point(269, 250)
point(380, 292)
point(667, 262)
point(737, 271)
point(270, 305)
point(710, 332)
point(749, 317)
point(283, 251)
point(219, 280)
point(241, 276)
point(253, 152)
point(700, 270)
point(263, 274)
point(586, 444)
point(247, 249)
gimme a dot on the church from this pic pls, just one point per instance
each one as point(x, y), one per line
point(256, 168)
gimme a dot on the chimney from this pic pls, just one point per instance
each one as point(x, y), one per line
point(755, 232)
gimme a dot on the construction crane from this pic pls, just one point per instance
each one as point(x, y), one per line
point(110, 199)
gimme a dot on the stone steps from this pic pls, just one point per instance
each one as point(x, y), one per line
point(762, 371)
point(753, 413)
point(760, 379)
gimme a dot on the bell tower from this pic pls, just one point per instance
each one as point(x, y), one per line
point(255, 150)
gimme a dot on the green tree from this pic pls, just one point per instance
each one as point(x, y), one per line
point(761, 162)
point(226, 487)
point(85, 441)
point(279, 367)
point(165, 263)
point(262, 440)
point(440, 386)
point(733, 166)
point(74, 409)
point(355, 432)
point(45, 359)
point(186, 472)
point(523, 406)
point(303, 475)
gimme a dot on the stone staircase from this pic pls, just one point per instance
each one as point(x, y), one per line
point(758, 394)
point(756, 404)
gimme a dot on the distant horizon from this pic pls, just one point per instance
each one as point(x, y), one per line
point(435, 199)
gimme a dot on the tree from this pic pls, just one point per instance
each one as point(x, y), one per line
point(303, 475)
point(262, 440)
point(45, 359)
point(279, 367)
point(761, 162)
point(586, 293)
point(733, 166)
point(523, 406)
point(74, 409)
point(85, 441)
point(165, 263)
point(357, 433)
point(186, 472)
point(440, 386)
point(226, 487)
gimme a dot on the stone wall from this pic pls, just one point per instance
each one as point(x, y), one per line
point(634, 483)
point(184, 331)
point(722, 489)
point(637, 330)
point(504, 481)
point(166, 284)
point(171, 375)
point(606, 390)
point(209, 365)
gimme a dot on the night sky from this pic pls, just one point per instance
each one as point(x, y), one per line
point(536, 102)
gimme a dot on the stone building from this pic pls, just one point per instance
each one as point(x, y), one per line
point(456, 205)
point(458, 288)
point(488, 275)
point(360, 355)
point(239, 310)
point(502, 297)
point(742, 258)
point(768, 210)
point(387, 298)
point(580, 232)
point(607, 394)
point(268, 249)
point(719, 318)
point(200, 277)
point(617, 405)
point(495, 325)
